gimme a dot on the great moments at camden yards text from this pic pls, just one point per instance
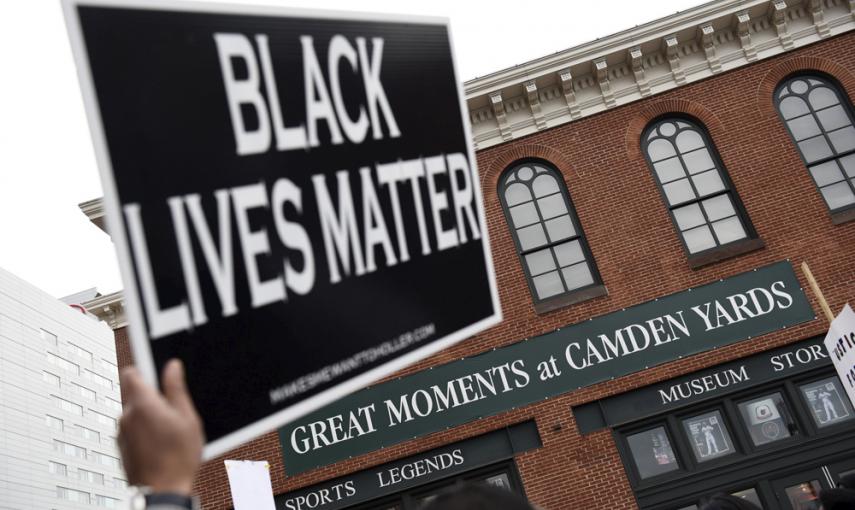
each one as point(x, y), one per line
point(517, 374)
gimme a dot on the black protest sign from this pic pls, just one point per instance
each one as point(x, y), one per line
point(293, 198)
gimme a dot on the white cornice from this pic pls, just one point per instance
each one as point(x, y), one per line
point(648, 59)
point(109, 308)
point(620, 41)
point(94, 210)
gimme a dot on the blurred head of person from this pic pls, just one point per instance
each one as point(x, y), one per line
point(477, 497)
point(841, 498)
point(722, 501)
point(847, 482)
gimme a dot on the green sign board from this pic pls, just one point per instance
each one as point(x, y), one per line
point(613, 345)
point(417, 470)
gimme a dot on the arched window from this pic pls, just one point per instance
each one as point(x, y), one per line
point(697, 190)
point(550, 242)
point(819, 117)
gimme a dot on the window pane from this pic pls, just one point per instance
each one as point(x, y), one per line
point(678, 192)
point(51, 379)
point(815, 149)
point(729, 230)
point(660, 149)
point(84, 392)
point(804, 127)
point(699, 239)
point(826, 173)
point(560, 228)
point(57, 468)
point(50, 337)
point(99, 379)
point(833, 118)
point(689, 216)
point(577, 276)
point(827, 401)
point(531, 237)
point(698, 161)
point(719, 207)
point(846, 473)
point(551, 206)
point(767, 418)
point(822, 97)
point(799, 87)
point(72, 495)
point(689, 141)
point(87, 433)
point(540, 262)
point(708, 183)
point(104, 419)
point(749, 495)
point(848, 164)
point(843, 139)
point(667, 129)
point(548, 284)
point(501, 480)
point(524, 215)
point(669, 169)
point(793, 107)
point(423, 501)
point(838, 195)
point(76, 349)
point(569, 253)
point(652, 453)
point(525, 173)
point(54, 423)
point(545, 185)
point(708, 436)
point(106, 502)
point(804, 496)
point(516, 194)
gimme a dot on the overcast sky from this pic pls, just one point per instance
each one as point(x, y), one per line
point(47, 165)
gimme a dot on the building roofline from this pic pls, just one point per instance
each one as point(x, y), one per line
point(643, 61)
point(94, 210)
point(109, 308)
point(602, 45)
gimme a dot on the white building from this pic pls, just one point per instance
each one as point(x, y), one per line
point(59, 404)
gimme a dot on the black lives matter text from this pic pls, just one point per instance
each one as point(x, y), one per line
point(365, 212)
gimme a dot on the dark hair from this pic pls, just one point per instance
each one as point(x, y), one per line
point(478, 497)
point(722, 501)
point(847, 482)
point(838, 499)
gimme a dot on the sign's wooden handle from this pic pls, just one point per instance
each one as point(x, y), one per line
point(817, 292)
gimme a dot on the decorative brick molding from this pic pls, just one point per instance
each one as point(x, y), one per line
point(802, 63)
point(492, 171)
point(668, 106)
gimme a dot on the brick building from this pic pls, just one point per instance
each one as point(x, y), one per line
point(701, 152)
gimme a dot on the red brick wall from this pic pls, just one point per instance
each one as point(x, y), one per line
point(123, 347)
point(639, 256)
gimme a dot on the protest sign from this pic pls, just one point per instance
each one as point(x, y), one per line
point(840, 343)
point(292, 194)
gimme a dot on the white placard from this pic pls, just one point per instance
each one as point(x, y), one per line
point(250, 484)
point(840, 343)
